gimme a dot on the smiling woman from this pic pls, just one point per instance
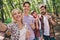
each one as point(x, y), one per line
point(17, 14)
point(17, 28)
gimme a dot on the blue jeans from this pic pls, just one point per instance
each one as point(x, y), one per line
point(48, 38)
point(52, 38)
point(36, 38)
point(41, 33)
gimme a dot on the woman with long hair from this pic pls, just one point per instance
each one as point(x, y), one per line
point(17, 28)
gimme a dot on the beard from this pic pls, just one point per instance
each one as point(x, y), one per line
point(43, 13)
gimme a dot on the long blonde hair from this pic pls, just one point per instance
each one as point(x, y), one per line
point(19, 11)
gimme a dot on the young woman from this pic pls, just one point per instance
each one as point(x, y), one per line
point(37, 26)
point(17, 27)
point(28, 19)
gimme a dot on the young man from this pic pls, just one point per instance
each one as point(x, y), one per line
point(46, 23)
point(28, 19)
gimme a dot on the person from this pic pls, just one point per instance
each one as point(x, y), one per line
point(47, 23)
point(17, 28)
point(28, 19)
point(2, 31)
point(37, 23)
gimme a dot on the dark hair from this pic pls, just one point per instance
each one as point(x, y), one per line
point(26, 3)
point(43, 6)
point(33, 12)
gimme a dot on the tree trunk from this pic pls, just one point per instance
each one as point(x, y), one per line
point(54, 7)
point(1, 10)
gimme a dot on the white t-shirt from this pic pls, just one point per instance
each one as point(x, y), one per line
point(23, 33)
point(46, 26)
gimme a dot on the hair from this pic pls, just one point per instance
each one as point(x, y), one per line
point(43, 6)
point(26, 3)
point(33, 12)
point(15, 10)
point(19, 11)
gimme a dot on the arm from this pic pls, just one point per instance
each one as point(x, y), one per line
point(3, 27)
point(8, 32)
point(32, 26)
point(51, 20)
point(37, 22)
point(27, 35)
point(37, 25)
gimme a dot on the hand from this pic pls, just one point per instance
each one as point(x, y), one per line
point(8, 33)
point(2, 27)
point(51, 20)
point(49, 17)
point(28, 34)
point(42, 38)
point(36, 19)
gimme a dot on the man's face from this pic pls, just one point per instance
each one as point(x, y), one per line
point(43, 10)
point(26, 7)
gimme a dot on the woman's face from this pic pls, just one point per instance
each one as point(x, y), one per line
point(26, 7)
point(35, 15)
point(17, 15)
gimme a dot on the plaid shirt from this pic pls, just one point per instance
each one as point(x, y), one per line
point(52, 33)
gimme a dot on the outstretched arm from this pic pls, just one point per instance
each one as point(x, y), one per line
point(3, 27)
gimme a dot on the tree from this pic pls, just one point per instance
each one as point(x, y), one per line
point(1, 10)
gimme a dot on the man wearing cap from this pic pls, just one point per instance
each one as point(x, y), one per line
point(47, 23)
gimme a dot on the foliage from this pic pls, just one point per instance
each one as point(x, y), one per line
point(8, 5)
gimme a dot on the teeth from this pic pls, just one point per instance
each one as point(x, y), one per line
point(26, 9)
point(18, 16)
